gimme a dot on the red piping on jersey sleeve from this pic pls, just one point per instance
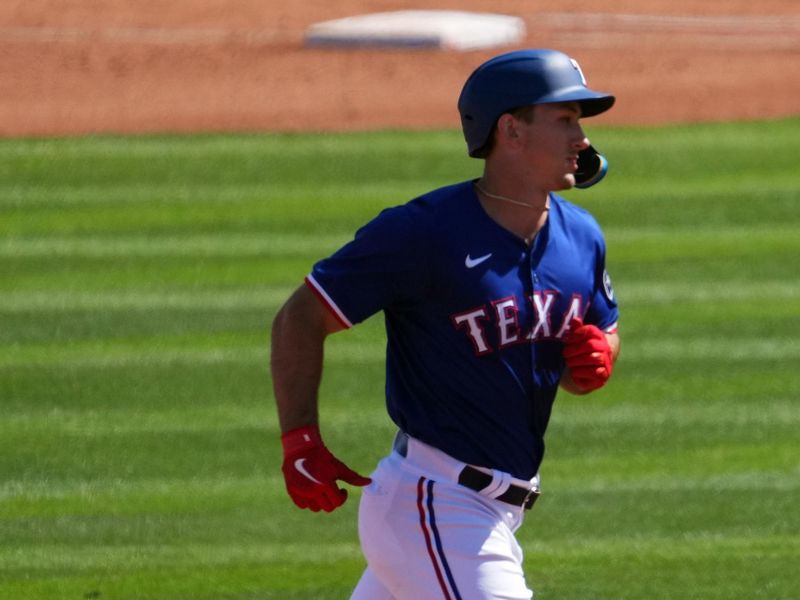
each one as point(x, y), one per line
point(612, 328)
point(323, 296)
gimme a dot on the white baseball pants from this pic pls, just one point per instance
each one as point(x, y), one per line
point(425, 537)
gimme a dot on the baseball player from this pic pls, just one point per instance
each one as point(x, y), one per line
point(495, 293)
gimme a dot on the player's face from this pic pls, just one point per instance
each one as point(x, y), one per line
point(551, 143)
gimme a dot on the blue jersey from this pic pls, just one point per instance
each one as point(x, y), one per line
point(474, 318)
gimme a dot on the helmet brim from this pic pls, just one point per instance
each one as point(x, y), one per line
point(592, 103)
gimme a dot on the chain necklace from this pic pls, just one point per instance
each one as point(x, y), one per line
point(511, 200)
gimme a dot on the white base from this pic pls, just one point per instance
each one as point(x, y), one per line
point(445, 29)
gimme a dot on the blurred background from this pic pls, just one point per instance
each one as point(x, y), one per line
point(78, 66)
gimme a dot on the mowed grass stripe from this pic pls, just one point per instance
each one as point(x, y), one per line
point(664, 545)
point(129, 499)
point(156, 350)
point(116, 420)
point(138, 299)
point(93, 422)
point(641, 243)
point(246, 197)
point(719, 413)
point(190, 245)
point(631, 293)
point(646, 244)
point(90, 421)
point(722, 293)
point(160, 351)
point(716, 292)
point(187, 554)
point(136, 557)
point(241, 580)
point(22, 499)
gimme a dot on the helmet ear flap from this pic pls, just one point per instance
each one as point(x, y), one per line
point(592, 167)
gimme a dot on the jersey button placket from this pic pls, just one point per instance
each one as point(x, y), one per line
point(534, 288)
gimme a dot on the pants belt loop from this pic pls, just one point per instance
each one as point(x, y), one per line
point(500, 483)
point(400, 444)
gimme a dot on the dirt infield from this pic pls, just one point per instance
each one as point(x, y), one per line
point(85, 66)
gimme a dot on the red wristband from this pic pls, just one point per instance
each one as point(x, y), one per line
point(300, 439)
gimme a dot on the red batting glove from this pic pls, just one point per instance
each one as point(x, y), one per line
point(311, 471)
point(588, 355)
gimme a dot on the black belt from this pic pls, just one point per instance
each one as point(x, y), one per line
point(518, 496)
point(476, 480)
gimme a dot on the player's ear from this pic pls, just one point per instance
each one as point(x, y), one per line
point(507, 127)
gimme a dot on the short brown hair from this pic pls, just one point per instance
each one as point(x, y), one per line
point(523, 113)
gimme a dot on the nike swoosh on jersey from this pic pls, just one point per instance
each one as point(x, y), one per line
point(298, 464)
point(470, 262)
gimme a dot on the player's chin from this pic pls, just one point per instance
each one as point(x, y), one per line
point(566, 182)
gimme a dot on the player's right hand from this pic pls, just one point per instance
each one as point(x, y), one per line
point(311, 471)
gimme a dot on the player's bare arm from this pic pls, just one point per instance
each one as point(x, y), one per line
point(298, 336)
point(310, 470)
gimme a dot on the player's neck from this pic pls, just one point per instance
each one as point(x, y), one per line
point(522, 215)
point(517, 196)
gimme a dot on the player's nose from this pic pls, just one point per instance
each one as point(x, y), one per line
point(581, 142)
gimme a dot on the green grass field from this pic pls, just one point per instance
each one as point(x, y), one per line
point(139, 453)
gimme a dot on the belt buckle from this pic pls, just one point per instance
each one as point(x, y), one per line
point(530, 498)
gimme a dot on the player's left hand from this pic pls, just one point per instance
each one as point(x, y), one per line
point(588, 355)
point(311, 471)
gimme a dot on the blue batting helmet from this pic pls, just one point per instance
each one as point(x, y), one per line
point(518, 79)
